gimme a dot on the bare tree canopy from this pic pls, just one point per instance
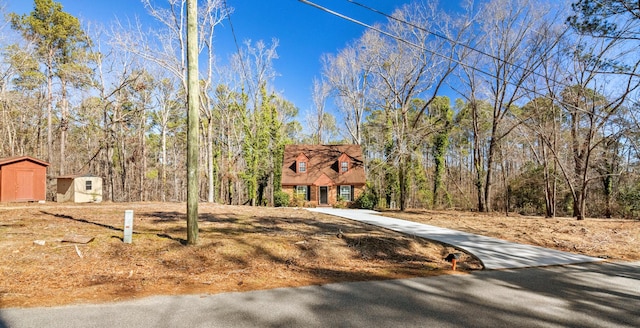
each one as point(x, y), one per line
point(496, 106)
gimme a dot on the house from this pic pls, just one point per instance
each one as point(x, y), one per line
point(23, 179)
point(79, 189)
point(323, 174)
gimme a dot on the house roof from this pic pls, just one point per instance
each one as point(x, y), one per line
point(74, 176)
point(323, 159)
point(9, 160)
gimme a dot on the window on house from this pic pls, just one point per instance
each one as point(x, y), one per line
point(344, 166)
point(302, 192)
point(88, 185)
point(345, 193)
point(302, 167)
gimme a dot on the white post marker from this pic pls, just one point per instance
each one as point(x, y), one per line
point(128, 226)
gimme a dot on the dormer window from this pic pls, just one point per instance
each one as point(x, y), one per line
point(344, 163)
point(302, 163)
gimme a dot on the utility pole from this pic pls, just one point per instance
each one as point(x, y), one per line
point(193, 103)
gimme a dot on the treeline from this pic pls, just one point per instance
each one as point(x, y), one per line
point(545, 121)
point(111, 101)
point(540, 115)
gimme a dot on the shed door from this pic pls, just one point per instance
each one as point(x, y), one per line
point(24, 185)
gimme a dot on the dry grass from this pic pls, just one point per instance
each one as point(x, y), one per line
point(240, 249)
point(613, 239)
point(245, 248)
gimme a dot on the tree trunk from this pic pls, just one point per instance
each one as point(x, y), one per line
point(177, 196)
point(64, 126)
point(49, 113)
point(210, 162)
point(607, 196)
point(579, 206)
point(548, 193)
point(163, 165)
point(504, 165)
point(403, 183)
point(122, 157)
point(111, 177)
point(549, 180)
point(489, 177)
point(580, 192)
point(272, 188)
point(143, 155)
point(478, 159)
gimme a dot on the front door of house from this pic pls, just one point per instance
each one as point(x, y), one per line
point(324, 195)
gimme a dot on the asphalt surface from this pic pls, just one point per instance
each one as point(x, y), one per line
point(586, 295)
point(492, 252)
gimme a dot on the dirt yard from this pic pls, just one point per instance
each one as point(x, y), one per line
point(244, 248)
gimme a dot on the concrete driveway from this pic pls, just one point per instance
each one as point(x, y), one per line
point(492, 252)
point(587, 295)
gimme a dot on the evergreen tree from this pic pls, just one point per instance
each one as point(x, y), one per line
point(58, 39)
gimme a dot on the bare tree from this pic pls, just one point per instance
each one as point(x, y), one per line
point(254, 67)
point(349, 75)
point(165, 115)
point(168, 49)
point(115, 71)
point(411, 65)
point(545, 121)
point(509, 53)
point(320, 94)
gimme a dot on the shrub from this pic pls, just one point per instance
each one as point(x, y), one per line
point(526, 191)
point(367, 200)
point(340, 203)
point(281, 199)
point(298, 201)
point(629, 201)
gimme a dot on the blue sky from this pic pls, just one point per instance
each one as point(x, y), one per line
point(304, 32)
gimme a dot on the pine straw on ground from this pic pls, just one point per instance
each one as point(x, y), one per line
point(243, 248)
point(240, 249)
point(612, 239)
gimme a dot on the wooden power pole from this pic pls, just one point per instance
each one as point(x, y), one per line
point(193, 102)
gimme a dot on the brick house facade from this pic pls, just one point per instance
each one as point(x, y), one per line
point(323, 174)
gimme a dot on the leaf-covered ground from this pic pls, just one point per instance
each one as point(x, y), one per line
point(241, 248)
point(244, 248)
point(612, 239)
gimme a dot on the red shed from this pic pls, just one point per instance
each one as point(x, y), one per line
point(22, 179)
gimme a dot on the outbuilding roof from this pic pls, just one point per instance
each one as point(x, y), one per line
point(9, 160)
point(73, 176)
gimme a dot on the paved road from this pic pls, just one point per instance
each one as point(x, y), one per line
point(586, 295)
point(494, 253)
